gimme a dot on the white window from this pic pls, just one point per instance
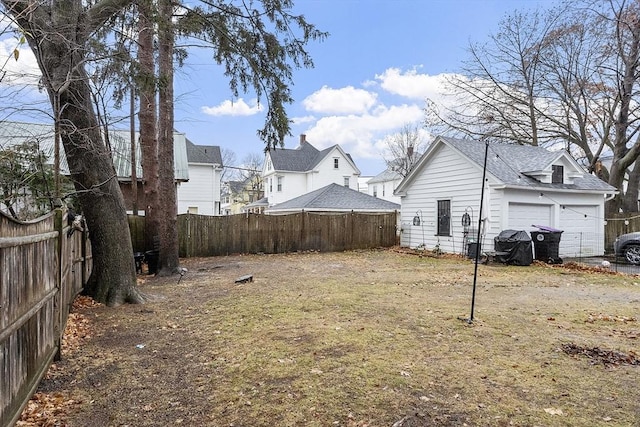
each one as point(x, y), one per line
point(346, 181)
point(270, 185)
point(192, 210)
point(336, 163)
point(279, 183)
point(375, 191)
point(383, 186)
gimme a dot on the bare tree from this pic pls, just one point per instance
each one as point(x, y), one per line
point(251, 175)
point(228, 160)
point(404, 148)
point(566, 77)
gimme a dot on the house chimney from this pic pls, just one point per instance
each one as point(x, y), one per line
point(303, 138)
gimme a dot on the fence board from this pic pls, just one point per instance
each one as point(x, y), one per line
point(41, 271)
point(201, 235)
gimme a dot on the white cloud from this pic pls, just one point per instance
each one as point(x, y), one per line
point(356, 134)
point(234, 108)
point(303, 120)
point(410, 84)
point(21, 71)
point(347, 100)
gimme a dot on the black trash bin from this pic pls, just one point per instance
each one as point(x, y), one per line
point(152, 261)
point(472, 249)
point(138, 258)
point(546, 245)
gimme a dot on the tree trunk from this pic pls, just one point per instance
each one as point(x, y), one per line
point(113, 279)
point(169, 261)
point(147, 119)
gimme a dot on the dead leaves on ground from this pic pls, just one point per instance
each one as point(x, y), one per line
point(50, 409)
point(597, 355)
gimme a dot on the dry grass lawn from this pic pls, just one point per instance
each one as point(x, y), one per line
point(364, 338)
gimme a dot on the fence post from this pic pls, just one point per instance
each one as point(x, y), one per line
point(57, 300)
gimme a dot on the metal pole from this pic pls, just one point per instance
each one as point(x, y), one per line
point(475, 272)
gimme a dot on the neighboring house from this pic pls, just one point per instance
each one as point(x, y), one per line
point(289, 173)
point(362, 183)
point(119, 143)
point(230, 201)
point(238, 195)
point(384, 184)
point(334, 198)
point(524, 185)
point(201, 194)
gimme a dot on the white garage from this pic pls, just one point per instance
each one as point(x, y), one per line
point(523, 185)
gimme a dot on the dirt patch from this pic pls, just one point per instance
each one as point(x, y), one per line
point(362, 338)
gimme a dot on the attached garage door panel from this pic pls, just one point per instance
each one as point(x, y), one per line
point(523, 215)
point(581, 236)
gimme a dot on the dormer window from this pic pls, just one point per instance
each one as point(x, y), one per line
point(557, 174)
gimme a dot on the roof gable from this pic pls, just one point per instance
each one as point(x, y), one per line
point(206, 154)
point(304, 158)
point(513, 165)
point(300, 159)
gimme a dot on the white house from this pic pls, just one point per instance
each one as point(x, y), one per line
point(197, 168)
point(201, 194)
point(289, 173)
point(524, 186)
point(384, 184)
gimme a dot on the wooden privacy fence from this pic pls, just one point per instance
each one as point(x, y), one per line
point(42, 269)
point(201, 235)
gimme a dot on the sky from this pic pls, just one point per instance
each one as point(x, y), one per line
point(382, 59)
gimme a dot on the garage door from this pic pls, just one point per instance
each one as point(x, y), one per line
point(581, 236)
point(523, 215)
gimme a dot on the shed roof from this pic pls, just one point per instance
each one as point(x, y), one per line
point(334, 198)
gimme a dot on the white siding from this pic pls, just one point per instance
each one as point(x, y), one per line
point(325, 173)
point(384, 190)
point(293, 185)
point(446, 176)
point(202, 191)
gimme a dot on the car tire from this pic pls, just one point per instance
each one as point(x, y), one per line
point(632, 254)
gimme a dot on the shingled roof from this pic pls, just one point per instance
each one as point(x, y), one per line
point(206, 154)
point(301, 159)
point(336, 198)
point(511, 164)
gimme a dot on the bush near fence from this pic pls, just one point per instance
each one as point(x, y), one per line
point(201, 235)
point(42, 270)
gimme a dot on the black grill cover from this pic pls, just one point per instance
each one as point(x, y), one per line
point(517, 245)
